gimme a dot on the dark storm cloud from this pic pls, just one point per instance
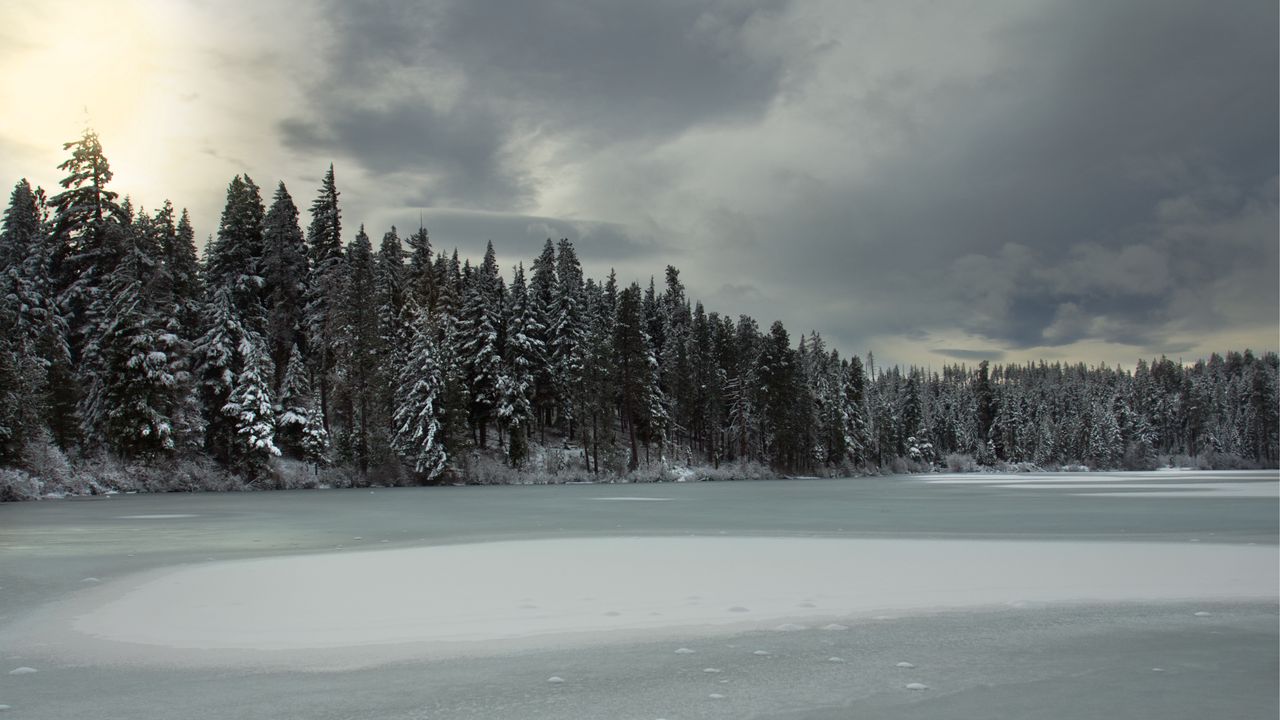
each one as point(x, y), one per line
point(600, 72)
point(453, 157)
point(1095, 172)
point(1112, 179)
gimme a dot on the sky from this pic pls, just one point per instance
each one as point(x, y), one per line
point(933, 181)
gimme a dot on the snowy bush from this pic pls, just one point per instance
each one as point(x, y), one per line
point(961, 463)
point(46, 461)
point(18, 485)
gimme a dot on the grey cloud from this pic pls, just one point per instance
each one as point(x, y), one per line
point(1112, 178)
point(453, 158)
point(963, 354)
point(1108, 175)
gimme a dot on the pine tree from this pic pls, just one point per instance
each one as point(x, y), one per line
point(542, 290)
point(418, 435)
point(249, 408)
point(236, 257)
point(293, 406)
point(185, 281)
point(567, 333)
point(284, 275)
point(33, 335)
point(631, 348)
point(358, 359)
point(524, 353)
point(420, 280)
point(600, 372)
point(218, 363)
point(135, 365)
point(86, 230)
point(324, 245)
point(481, 350)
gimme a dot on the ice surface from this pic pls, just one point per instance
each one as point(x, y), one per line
point(461, 592)
point(634, 499)
point(22, 671)
point(156, 516)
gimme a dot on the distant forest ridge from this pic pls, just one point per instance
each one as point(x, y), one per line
point(406, 364)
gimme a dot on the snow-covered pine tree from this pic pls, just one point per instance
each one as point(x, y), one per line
point(631, 350)
point(395, 311)
point(481, 350)
point(673, 360)
point(420, 400)
point(420, 278)
point(600, 371)
point(567, 332)
point(133, 389)
point(217, 365)
point(1105, 443)
point(359, 360)
point(853, 411)
point(285, 271)
point(315, 439)
point(524, 352)
point(236, 256)
point(249, 409)
point(31, 327)
point(324, 246)
point(185, 280)
point(455, 423)
point(293, 403)
point(86, 237)
point(542, 289)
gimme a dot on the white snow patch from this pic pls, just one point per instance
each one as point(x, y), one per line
point(90, 580)
point(917, 686)
point(272, 603)
point(634, 499)
point(906, 665)
point(1203, 614)
point(710, 670)
point(761, 653)
point(716, 696)
point(158, 516)
point(835, 659)
point(684, 651)
point(555, 679)
point(835, 626)
point(5, 707)
point(23, 671)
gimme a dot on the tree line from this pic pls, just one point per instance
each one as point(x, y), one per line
point(118, 338)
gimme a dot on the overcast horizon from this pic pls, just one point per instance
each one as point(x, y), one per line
point(929, 182)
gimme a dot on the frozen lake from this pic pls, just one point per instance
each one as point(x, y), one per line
point(1055, 596)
